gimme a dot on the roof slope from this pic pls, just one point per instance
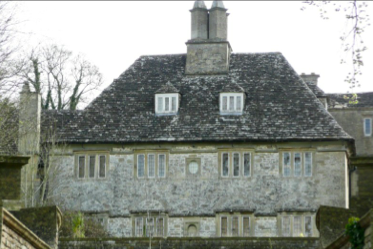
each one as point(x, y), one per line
point(278, 105)
point(364, 100)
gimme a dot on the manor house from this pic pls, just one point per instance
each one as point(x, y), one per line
point(209, 143)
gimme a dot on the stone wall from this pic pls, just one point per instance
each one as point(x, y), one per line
point(234, 243)
point(263, 195)
point(11, 240)
point(352, 121)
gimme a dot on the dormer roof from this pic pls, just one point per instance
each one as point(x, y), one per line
point(232, 88)
point(168, 88)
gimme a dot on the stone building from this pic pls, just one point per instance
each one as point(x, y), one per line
point(209, 143)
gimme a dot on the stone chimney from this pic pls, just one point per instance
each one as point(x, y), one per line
point(200, 21)
point(310, 78)
point(29, 121)
point(208, 51)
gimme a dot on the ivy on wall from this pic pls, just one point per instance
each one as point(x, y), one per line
point(355, 232)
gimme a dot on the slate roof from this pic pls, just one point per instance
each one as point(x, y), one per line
point(278, 107)
point(316, 90)
point(338, 100)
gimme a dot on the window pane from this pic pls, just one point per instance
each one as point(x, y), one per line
point(160, 227)
point(246, 164)
point(238, 103)
point(225, 103)
point(149, 227)
point(225, 169)
point(160, 104)
point(308, 226)
point(162, 165)
point(246, 226)
point(81, 166)
point(286, 164)
point(102, 166)
point(231, 103)
point(166, 104)
point(308, 164)
point(235, 226)
point(297, 226)
point(151, 165)
point(92, 166)
point(236, 164)
point(139, 227)
point(297, 164)
point(174, 104)
point(286, 226)
point(224, 226)
point(140, 166)
point(368, 126)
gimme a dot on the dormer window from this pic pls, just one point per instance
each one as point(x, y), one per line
point(231, 103)
point(167, 104)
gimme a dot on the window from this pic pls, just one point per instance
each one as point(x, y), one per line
point(239, 163)
point(139, 227)
point(297, 164)
point(225, 167)
point(162, 166)
point(367, 127)
point(224, 227)
point(81, 167)
point(286, 231)
point(102, 168)
point(149, 225)
point(167, 104)
point(246, 226)
point(235, 230)
point(297, 226)
point(140, 166)
point(91, 166)
point(231, 103)
point(151, 165)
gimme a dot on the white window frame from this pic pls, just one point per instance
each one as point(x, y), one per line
point(234, 111)
point(94, 166)
point(163, 108)
point(139, 228)
point(238, 225)
point(239, 164)
point(157, 233)
point(290, 226)
point(84, 167)
point(301, 165)
point(165, 166)
point(365, 127)
point(221, 226)
point(283, 163)
point(304, 225)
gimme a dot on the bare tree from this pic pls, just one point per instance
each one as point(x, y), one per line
point(352, 41)
point(63, 80)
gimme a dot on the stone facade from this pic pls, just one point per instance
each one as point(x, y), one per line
point(202, 198)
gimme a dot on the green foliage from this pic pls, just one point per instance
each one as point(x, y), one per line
point(351, 100)
point(91, 228)
point(78, 225)
point(355, 232)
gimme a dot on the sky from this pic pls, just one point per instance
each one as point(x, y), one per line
point(113, 34)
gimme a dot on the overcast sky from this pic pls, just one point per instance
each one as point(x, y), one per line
point(112, 35)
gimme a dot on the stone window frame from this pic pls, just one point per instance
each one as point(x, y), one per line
point(87, 155)
point(144, 216)
point(163, 96)
point(230, 216)
point(365, 127)
point(231, 153)
point(190, 159)
point(302, 215)
point(146, 154)
point(228, 95)
point(292, 153)
point(192, 221)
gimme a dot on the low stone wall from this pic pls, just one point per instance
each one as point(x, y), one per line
point(192, 243)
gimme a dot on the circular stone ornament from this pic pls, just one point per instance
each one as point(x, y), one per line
point(193, 167)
